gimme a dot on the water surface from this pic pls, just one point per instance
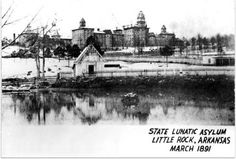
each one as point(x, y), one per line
point(154, 106)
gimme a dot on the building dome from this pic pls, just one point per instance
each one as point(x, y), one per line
point(82, 23)
point(163, 29)
point(141, 19)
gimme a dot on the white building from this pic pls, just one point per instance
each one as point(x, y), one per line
point(90, 63)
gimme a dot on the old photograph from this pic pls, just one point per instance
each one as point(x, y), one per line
point(92, 63)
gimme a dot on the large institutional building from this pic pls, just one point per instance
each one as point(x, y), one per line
point(26, 38)
point(137, 35)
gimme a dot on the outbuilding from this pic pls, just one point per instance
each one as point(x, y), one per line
point(91, 63)
point(88, 62)
point(218, 60)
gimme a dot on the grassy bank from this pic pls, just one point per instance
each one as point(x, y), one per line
point(204, 82)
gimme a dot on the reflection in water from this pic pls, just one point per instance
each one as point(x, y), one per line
point(40, 104)
point(155, 106)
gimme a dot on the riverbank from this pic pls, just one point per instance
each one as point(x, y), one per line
point(206, 82)
point(221, 84)
point(192, 100)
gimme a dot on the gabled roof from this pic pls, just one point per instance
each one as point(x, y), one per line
point(88, 49)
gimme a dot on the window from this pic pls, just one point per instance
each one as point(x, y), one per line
point(91, 101)
point(112, 65)
point(209, 60)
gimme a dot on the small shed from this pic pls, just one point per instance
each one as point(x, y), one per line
point(219, 60)
point(225, 61)
point(88, 62)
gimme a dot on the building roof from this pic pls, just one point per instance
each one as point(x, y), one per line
point(88, 49)
point(83, 29)
point(107, 31)
point(141, 20)
point(99, 32)
point(82, 20)
point(82, 23)
point(141, 16)
point(151, 34)
point(117, 30)
point(134, 27)
point(163, 29)
point(167, 34)
point(65, 38)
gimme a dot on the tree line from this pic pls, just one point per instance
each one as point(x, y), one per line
point(216, 42)
point(74, 50)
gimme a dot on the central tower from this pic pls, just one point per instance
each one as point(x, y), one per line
point(141, 20)
point(137, 35)
point(82, 23)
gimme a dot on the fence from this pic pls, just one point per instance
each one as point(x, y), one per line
point(195, 61)
point(66, 75)
point(51, 79)
point(164, 72)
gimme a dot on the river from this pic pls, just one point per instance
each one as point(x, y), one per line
point(90, 107)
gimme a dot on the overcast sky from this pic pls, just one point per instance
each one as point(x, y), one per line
point(183, 17)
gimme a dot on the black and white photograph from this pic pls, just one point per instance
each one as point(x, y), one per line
point(118, 78)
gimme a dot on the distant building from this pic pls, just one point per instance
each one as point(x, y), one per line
point(130, 36)
point(106, 38)
point(100, 36)
point(80, 35)
point(56, 35)
point(25, 39)
point(152, 41)
point(117, 38)
point(66, 41)
point(56, 40)
point(136, 35)
point(165, 38)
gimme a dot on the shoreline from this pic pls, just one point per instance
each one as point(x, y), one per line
point(205, 82)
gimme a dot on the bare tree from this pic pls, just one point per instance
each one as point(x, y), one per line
point(38, 44)
point(45, 32)
point(6, 16)
point(7, 23)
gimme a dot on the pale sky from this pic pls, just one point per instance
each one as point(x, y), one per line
point(183, 17)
